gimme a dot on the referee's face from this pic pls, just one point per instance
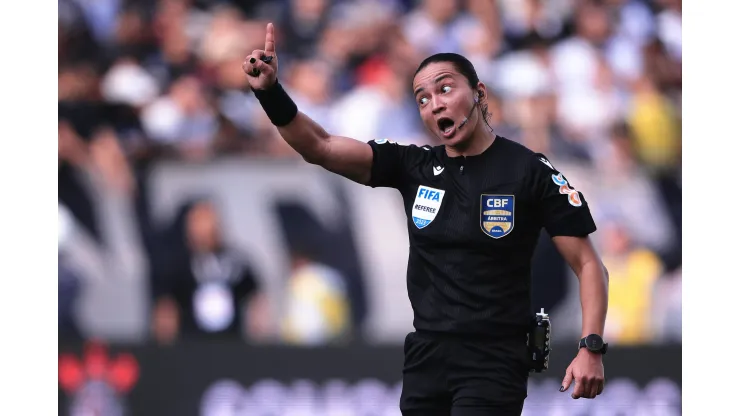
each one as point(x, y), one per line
point(445, 99)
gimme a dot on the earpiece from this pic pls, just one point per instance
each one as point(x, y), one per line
point(480, 95)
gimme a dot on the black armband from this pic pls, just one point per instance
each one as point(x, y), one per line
point(278, 105)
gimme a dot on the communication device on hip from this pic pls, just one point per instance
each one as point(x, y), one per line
point(539, 342)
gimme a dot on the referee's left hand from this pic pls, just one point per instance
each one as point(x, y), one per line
point(587, 370)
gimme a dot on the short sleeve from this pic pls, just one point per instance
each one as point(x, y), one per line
point(562, 209)
point(391, 162)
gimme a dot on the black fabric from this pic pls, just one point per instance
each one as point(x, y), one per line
point(503, 409)
point(462, 279)
point(234, 274)
point(463, 376)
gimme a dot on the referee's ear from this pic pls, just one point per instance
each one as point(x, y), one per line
point(481, 93)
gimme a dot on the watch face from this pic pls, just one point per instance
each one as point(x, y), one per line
point(594, 342)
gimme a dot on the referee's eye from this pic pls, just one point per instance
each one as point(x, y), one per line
point(446, 89)
point(423, 100)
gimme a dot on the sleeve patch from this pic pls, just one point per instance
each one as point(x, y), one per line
point(574, 197)
point(383, 141)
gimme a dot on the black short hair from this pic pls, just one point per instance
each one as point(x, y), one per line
point(461, 63)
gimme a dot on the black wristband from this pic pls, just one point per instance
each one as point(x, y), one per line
point(278, 105)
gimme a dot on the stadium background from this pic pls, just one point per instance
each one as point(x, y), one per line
point(204, 268)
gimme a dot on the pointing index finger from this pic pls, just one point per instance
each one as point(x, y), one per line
point(270, 39)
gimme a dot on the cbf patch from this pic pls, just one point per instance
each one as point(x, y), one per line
point(426, 206)
point(573, 197)
point(497, 215)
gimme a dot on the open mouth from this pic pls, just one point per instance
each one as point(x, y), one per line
point(446, 125)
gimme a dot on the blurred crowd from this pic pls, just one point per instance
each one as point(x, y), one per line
point(596, 83)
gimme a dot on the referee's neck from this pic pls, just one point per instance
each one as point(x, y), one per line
point(478, 143)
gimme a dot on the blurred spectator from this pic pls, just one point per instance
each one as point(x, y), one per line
point(182, 119)
point(301, 26)
point(437, 26)
point(625, 190)
point(663, 71)
point(655, 129)
point(226, 38)
point(524, 18)
point(128, 83)
point(332, 247)
point(174, 56)
point(76, 41)
point(110, 161)
point(587, 80)
point(310, 84)
point(669, 26)
point(380, 108)
point(317, 306)
point(667, 307)
point(203, 288)
point(633, 271)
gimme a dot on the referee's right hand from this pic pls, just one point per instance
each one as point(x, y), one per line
point(262, 75)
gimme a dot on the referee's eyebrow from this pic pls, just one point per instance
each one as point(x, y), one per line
point(436, 80)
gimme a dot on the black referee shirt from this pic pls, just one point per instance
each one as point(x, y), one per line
point(473, 224)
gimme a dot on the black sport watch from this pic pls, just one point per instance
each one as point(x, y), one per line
point(593, 343)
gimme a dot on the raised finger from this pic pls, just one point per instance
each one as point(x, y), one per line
point(270, 39)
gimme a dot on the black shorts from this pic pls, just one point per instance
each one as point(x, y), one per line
point(464, 377)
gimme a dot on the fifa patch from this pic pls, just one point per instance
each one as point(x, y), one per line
point(497, 215)
point(426, 206)
point(573, 197)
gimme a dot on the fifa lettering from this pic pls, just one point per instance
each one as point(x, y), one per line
point(497, 203)
point(428, 194)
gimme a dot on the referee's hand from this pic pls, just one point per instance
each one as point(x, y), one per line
point(587, 370)
point(261, 66)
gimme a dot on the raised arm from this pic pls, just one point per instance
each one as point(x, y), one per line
point(347, 157)
point(344, 156)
